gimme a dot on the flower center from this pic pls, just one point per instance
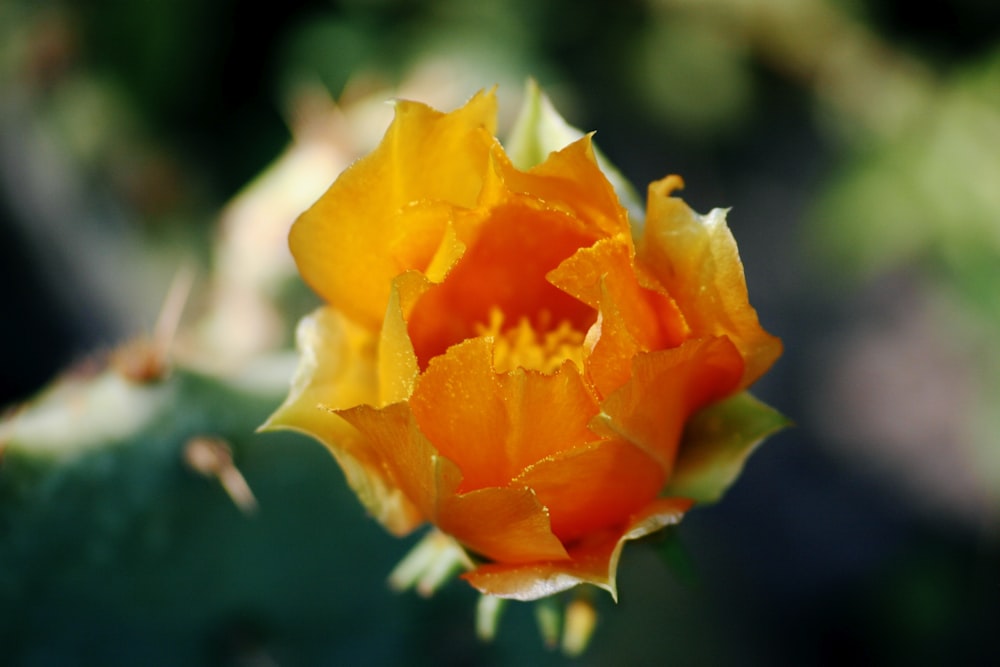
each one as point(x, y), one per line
point(522, 345)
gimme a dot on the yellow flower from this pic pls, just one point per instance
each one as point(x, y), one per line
point(499, 357)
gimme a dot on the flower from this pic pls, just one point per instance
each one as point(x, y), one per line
point(498, 355)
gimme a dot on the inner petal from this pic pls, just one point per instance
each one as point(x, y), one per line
point(504, 269)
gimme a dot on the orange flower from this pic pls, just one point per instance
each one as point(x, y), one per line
point(500, 358)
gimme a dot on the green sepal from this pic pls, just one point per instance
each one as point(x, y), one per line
point(540, 130)
point(716, 444)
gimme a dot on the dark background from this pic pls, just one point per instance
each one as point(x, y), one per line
point(858, 145)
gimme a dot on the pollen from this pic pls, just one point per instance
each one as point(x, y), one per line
point(537, 347)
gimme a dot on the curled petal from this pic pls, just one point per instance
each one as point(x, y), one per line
point(594, 561)
point(337, 369)
point(696, 260)
point(591, 487)
point(666, 387)
point(506, 524)
point(633, 318)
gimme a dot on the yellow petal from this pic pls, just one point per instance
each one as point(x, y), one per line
point(337, 369)
point(570, 181)
point(696, 260)
point(397, 362)
point(369, 227)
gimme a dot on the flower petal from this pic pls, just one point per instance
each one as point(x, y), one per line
point(504, 268)
point(571, 181)
point(426, 156)
point(410, 462)
point(591, 487)
point(633, 318)
point(397, 362)
point(458, 405)
point(539, 130)
point(665, 388)
point(495, 425)
point(696, 259)
point(546, 414)
point(337, 369)
point(506, 524)
point(594, 562)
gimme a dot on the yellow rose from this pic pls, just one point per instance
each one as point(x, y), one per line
point(499, 357)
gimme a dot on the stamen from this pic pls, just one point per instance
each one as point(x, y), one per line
point(523, 346)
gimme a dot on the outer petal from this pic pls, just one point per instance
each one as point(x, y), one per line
point(508, 525)
point(695, 258)
point(570, 180)
point(495, 425)
point(594, 562)
point(361, 233)
point(505, 524)
point(666, 387)
point(540, 130)
point(591, 487)
point(337, 369)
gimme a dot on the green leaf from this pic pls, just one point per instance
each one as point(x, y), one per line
point(717, 442)
point(540, 130)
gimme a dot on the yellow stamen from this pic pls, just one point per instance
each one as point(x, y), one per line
point(523, 346)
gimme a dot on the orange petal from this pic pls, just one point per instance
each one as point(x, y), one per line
point(593, 486)
point(610, 348)
point(410, 461)
point(696, 260)
point(337, 369)
point(666, 387)
point(594, 562)
point(546, 414)
point(504, 267)
point(495, 425)
point(505, 524)
point(365, 229)
point(633, 318)
point(458, 405)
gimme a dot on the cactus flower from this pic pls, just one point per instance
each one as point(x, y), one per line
point(505, 354)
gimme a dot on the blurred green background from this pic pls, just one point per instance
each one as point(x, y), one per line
point(857, 142)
